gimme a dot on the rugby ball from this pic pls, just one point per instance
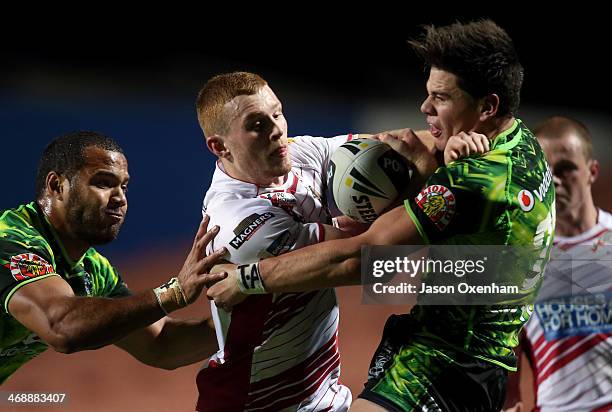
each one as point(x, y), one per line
point(365, 177)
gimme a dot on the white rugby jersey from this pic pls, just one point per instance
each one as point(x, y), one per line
point(570, 345)
point(277, 352)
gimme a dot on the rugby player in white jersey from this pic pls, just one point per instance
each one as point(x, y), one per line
point(277, 352)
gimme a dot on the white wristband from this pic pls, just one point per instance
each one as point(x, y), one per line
point(249, 280)
point(335, 223)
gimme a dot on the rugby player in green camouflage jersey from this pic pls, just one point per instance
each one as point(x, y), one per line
point(443, 358)
point(57, 291)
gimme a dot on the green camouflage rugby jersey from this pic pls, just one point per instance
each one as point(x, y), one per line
point(438, 355)
point(31, 251)
point(505, 197)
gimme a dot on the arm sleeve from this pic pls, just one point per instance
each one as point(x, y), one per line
point(333, 143)
point(23, 260)
point(318, 150)
point(452, 202)
point(253, 229)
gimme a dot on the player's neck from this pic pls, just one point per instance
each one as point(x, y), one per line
point(577, 221)
point(74, 247)
point(256, 179)
point(274, 182)
point(497, 127)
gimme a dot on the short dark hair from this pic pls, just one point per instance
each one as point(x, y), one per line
point(480, 54)
point(65, 155)
point(557, 127)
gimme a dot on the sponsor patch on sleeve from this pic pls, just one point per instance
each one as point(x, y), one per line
point(438, 204)
point(281, 244)
point(29, 265)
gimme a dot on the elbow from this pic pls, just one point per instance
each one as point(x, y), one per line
point(351, 272)
point(62, 335)
point(63, 344)
point(65, 339)
point(348, 270)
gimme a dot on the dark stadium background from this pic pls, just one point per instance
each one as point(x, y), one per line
point(141, 91)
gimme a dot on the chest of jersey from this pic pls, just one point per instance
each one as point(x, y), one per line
point(301, 196)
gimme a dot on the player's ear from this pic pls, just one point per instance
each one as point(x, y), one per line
point(54, 185)
point(489, 106)
point(217, 146)
point(593, 170)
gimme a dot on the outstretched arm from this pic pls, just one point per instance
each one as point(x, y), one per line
point(327, 264)
point(70, 323)
point(171, 343)
point(337, 262)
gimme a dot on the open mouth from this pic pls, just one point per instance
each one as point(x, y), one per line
point(435, 132)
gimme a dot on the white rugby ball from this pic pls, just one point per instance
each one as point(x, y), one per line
point(365, 177)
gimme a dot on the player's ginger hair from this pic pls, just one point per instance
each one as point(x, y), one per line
point(217, 92)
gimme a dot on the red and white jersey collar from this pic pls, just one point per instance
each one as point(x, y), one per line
point(604, 224)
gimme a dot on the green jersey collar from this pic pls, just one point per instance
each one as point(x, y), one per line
point(73, 268)
point(509, 137)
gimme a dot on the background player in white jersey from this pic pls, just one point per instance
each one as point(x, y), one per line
point(569, 350)
point(277, 352)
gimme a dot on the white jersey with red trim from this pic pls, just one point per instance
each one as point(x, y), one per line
point(278, 352)
point(569, 340)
